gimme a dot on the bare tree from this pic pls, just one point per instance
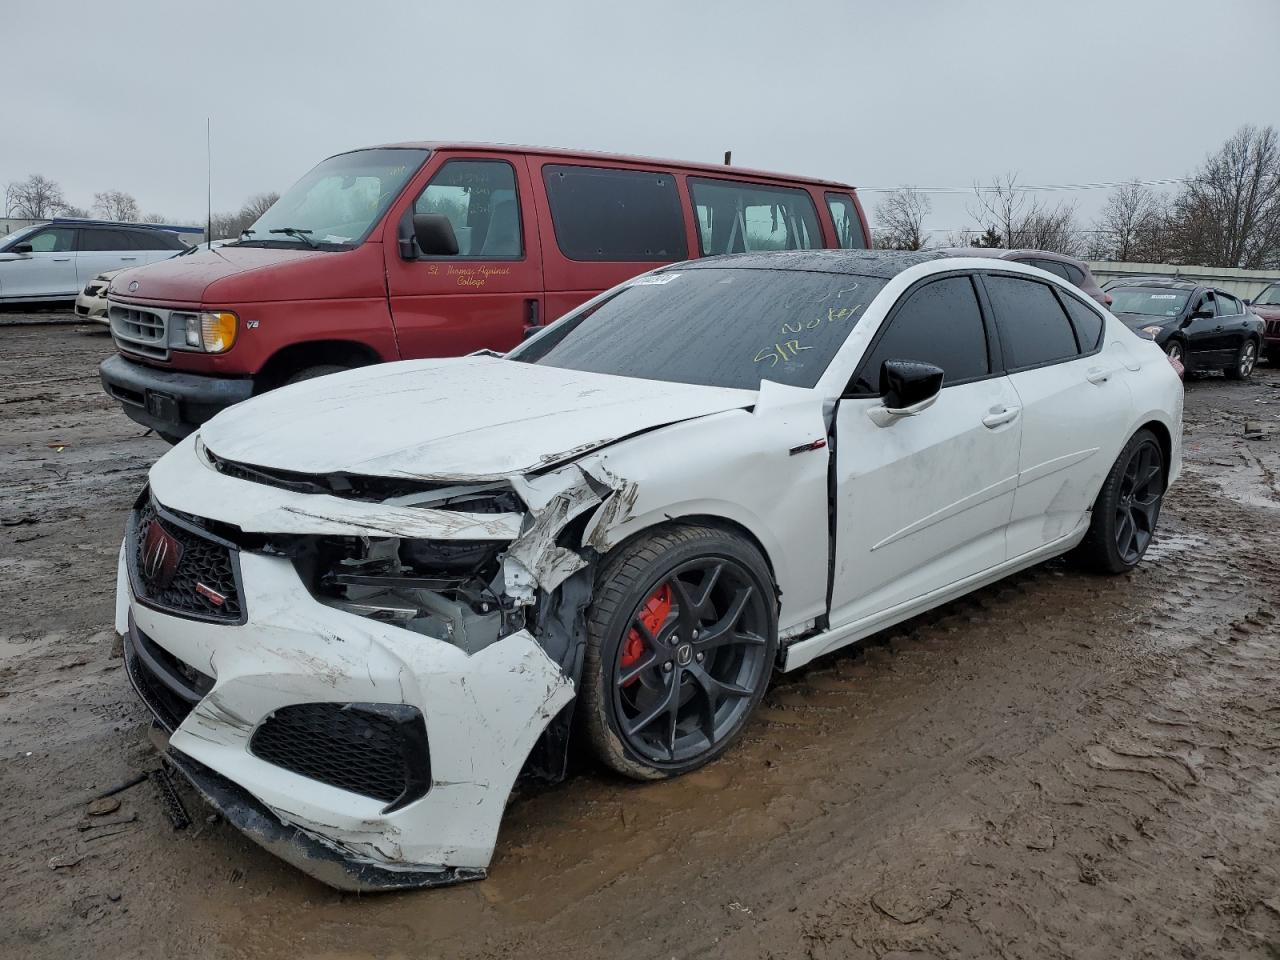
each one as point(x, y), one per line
point(900, 220)
point(1021, 220)
point(258, 204)
point(1133, 226)
point(116, 205)
point(1228, 214)
point(36, 198)
point(231, 225)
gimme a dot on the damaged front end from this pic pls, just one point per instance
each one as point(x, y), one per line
point(403, 653)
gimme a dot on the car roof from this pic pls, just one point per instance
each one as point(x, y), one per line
point(560, 152)
point(864, 263)
point(1003, 253)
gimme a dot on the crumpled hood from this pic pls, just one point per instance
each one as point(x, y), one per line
point(463, 418)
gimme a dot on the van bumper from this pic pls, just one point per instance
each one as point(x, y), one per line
point(167, 401)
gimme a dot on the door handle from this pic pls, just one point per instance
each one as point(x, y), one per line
point(1000, 416)
point(61, 259)
point(128, 258)
point(1099, 375)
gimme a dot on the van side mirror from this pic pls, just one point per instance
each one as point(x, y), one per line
point(907, 388)
point(434, 234)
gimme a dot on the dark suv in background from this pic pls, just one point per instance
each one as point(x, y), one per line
point(1070, 269)
point(1267, 306)
point(1202, 327)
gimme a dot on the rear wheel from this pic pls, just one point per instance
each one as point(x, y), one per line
point(681, 640)
point(1127, 509)
point(1246, 359)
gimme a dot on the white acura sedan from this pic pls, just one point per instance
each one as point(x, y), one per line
point(363, 605)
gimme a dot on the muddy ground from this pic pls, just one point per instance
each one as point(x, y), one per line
point(1058, 766)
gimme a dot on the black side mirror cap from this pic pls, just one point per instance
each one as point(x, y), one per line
point(906, 384)
point(21, 248)
point(434, 234)
point(1202, 314)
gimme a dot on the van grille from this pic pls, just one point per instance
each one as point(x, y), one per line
point(144, 330)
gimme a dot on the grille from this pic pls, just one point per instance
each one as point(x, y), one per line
point(376, 750)
point(204, 562)
point(169, 687)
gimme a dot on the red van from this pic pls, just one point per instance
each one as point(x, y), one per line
point(427, 250)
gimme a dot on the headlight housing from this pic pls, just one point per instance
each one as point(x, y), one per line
point(211, 331)
point(1153, 331)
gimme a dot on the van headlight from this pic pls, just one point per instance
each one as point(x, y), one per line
point(213, 331)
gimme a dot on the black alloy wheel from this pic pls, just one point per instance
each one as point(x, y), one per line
point(1127, 509)
point(681, 645)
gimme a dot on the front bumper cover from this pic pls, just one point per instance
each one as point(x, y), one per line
point(169, 401)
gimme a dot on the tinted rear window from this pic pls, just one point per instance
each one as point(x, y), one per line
point(715, 326)
point(1033, 327)
point(631, 216)
point(1087, 322)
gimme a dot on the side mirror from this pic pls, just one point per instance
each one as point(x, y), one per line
point(434, 234)
point(1203, 313)
point(907, 388)
point(1248, 303)
point(21, 248)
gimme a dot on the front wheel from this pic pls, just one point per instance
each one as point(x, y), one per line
point(681, 641)
point(319, 370)
point(1246, 360)
point(1127, 509)
point(1174, 351)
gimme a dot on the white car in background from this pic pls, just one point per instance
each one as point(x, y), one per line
point(363, 604)
point(54, 260)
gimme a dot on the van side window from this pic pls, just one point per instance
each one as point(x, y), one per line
point(736, 217)
point(602, 213)
point(845, 216)
point(479, 198)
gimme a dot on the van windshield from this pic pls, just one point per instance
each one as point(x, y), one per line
point(337, 204)
point(720, 327)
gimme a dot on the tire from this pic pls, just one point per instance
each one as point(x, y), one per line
point(1246, 359)
point(310, 373)
point(170, 438)
point(1131, 491)
point(1175, 350)
point(704, 658)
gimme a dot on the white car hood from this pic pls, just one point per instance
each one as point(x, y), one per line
point(463, 418)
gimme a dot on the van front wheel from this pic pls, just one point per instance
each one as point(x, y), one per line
point(310, 373)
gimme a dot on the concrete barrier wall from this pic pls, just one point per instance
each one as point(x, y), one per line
point(1245, 284)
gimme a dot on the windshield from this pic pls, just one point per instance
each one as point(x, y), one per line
point(720, 327)
point(1270, 297)
point(9, 240)
point(339, 201)
point(1148, 301)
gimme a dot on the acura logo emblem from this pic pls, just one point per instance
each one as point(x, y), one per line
point(161, 553)
point(133, 286)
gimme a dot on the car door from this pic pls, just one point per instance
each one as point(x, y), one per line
point(101, 249)
point(491, 290)
point(49, 270)
point(923, 502)
point(1231, 328)
point(1202, 333)
point(1075, 405)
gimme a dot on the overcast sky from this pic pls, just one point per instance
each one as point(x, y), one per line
point(114, 95)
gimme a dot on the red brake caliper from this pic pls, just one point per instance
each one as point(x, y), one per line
point(653, 615)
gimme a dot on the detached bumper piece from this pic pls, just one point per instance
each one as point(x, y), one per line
point(300, 849)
